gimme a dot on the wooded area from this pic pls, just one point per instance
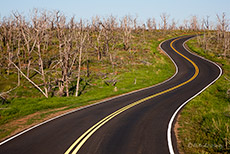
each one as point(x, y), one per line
point(54, 53)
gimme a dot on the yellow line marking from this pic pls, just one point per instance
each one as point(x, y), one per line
point(84, 137)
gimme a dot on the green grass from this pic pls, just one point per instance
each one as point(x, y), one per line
point(144, 75)
point(140, 67)
point(204, 122)
point(144, 68)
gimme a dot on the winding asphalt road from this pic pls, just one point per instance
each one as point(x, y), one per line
point(137, 123)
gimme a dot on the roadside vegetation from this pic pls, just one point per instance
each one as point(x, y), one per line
point(204, 123)
point(50, 65)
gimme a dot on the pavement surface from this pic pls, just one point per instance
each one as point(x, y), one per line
point(135, 123)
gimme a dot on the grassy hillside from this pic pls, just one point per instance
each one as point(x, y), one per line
point(204, 122)
point(142, 66)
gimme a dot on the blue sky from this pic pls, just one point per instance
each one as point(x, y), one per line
point(177, 9)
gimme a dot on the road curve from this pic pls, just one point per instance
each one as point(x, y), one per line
point(139, 122)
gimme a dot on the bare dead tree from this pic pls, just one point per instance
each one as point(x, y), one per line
point(164, 20)
point(206, 23)
point(38, 25)
point(1, 47)
point(41, 26)
point(173, 25)
point(108, 28)
point(18, 36)
point(60, 22)
point(222, 22)
point(7, 34)
point(29, 41)
point(213, 41)
point(154, 23)
point(194, 23)
point(66, 58)
point(135, 24)
point(185, 25)
point(81, 37)
point(206, 36)
point(10, 37)
point(97, 32)
point(149, 24)
point(126, 25)
point(223, 35)
point(34, 84)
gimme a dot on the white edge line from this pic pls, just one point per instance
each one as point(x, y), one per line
point(87, 106)
point(176, 112)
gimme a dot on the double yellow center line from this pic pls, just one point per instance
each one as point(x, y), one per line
point(74, 148)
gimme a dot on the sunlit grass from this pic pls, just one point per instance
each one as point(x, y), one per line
point(204, 122)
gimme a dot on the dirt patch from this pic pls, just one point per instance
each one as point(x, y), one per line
point(176, 130)
point(31, 120)
point(161, 51)
point(160, 39)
